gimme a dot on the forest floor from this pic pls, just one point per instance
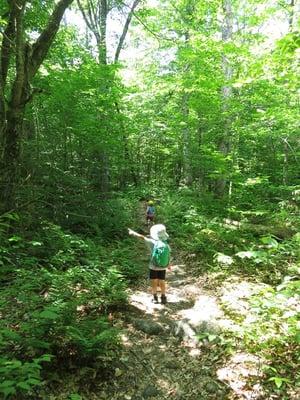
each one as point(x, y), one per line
point(178, 351)
point(171, 352)
point(188, 348)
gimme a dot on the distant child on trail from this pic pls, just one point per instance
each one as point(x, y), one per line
point(159, 260)
point(150, 211)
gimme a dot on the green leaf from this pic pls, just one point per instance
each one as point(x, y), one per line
point(75, 397)
point(271, 242)
point(15, 239)
point(23, 385)
point(202, 336)
point(45, 358)
point(34, 243)
point(33, 382)
point(7, 383)
point(48, 314)
point(211, 338)
point(278, 380)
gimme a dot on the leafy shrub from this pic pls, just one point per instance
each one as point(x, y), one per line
point(129, 256)
point(274, 335)
point(17, 377)
point(270, 258)
point(185, 218)
point(55, 310)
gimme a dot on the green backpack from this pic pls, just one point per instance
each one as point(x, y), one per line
point(160, 254)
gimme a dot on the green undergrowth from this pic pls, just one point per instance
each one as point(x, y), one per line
point(216, 243)
point(265, 324)
point(58, 290)
point(63, 277)
point(274, 335)
point(218, 246)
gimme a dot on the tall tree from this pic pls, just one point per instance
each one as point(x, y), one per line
point(95, 14)
point(225, 140)
point(20, 60)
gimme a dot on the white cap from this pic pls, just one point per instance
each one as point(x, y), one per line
point(158, 232)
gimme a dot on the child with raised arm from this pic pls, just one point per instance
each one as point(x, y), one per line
point(159, 260)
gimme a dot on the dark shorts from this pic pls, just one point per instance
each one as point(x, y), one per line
point(149, 217)
point(157, 274)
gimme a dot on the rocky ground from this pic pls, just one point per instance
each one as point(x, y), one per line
point(180, 350)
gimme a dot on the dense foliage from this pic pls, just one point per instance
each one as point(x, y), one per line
point(199, 113)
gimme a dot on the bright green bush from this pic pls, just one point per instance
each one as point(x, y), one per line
point(49, 307)
point(130, 257)
point(59, 291)
point(20, 378)
point(274, 335)
point(186, 219)
point(269, 258)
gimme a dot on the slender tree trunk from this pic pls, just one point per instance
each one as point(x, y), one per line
point(225, 141)
point(125, 29)
point(102, 47)
point(186, 141)
point(294, 12)
point(200, 142)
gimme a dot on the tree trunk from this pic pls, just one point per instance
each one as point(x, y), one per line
point(225, 141)
point(125, 29)
point(186, 141)
point(27, 62)
point(294, 11)
point(102, 48)
point(11, 157)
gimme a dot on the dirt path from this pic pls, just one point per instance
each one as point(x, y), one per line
point(170, 352)
point(175, 351)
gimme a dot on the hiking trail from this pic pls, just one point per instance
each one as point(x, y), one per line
point(169, 350)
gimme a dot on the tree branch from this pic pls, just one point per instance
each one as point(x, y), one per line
point(6, 47)
point(158, 37)
point(86, 20)
point(43, 43)
point(18, 85)
point(125, 29)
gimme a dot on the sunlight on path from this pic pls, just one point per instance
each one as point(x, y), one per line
point(237, 372)
point(143, 300)
point(205, 310)
point(170, 342)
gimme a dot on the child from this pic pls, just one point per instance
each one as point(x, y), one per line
point(150, 211)
point(158, 244)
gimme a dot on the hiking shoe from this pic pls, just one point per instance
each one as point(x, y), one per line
point(163, 299)
point(155, 299)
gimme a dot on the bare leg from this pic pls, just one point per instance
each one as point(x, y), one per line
point(154, 283)
point(162, 285)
